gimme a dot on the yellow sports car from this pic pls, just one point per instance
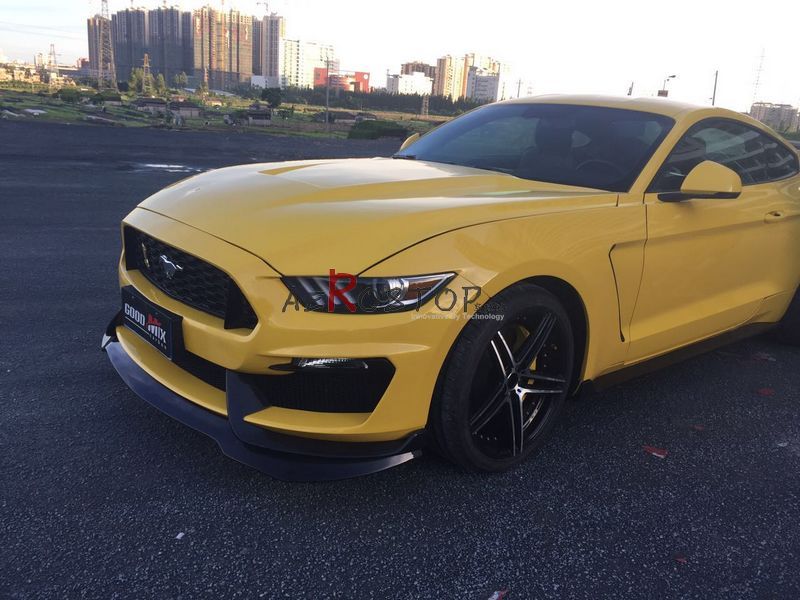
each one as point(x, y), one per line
point(328, 318)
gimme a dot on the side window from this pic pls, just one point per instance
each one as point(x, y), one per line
point(756, 157)
point(781, 162)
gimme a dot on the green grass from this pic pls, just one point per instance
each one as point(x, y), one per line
point(300, 123)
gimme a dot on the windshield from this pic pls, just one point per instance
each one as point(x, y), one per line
point(587, 146)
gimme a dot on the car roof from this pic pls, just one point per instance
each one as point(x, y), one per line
point(659, 106)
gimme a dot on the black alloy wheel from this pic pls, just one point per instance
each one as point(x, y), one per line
point(506, 381)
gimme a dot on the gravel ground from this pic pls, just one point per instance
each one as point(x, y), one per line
point(101, 496)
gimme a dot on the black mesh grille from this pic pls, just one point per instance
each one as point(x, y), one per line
point(212, 374)
point(326, 390)
point(194, 281)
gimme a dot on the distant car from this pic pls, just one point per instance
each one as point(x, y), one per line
point(326, 318)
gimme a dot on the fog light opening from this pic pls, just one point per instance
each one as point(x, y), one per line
point(316, 364)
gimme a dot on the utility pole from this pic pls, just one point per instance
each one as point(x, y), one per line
point(327, 94)
point(714, 94)
point(759, 71)
point(146, 76)
point(106, 74)
point(51, 69)
point(52, 60)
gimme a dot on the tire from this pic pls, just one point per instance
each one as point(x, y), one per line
point(788, 330)
point(505, 381)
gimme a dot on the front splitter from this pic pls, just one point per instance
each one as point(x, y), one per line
point(284, 457)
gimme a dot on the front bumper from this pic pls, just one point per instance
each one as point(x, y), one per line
point(413, 343)
point(285, 457)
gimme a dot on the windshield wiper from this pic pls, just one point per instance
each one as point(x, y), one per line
point(405, 156)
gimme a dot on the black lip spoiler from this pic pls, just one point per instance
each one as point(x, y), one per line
point(284, 457)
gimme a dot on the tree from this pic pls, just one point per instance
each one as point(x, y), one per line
point(160, 85)
point(272, 97)
point(180, 80)
point(147, 83)
point(136, 80)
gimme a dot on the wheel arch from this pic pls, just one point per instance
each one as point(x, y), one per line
point(572, 302)
point(575, 307)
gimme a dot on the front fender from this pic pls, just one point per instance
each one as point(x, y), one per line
point(572, 246)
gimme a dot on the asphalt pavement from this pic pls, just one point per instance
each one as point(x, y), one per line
point(681, 484)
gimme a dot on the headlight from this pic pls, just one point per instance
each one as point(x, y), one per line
point(343, 293)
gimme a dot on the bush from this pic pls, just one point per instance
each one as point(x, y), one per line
point(272, 96)
point(372, 130)
point(70, 95)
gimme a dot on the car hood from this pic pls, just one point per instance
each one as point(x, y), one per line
point(306, 217)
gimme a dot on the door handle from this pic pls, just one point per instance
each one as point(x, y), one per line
point(774, 216)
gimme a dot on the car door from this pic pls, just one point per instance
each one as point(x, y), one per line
point(709, 264)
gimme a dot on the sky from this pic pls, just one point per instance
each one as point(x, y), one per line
point(567, 46)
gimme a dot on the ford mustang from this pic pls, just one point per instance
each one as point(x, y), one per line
point(323, 319)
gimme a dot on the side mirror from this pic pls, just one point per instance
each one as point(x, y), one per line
point(409, 140)
point(707, 180)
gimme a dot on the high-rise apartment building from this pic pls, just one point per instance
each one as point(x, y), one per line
point(471, 76)
point(449, 77)
point(258, 46)
point(168, 38)
point(274, 34)
point(165, 34)
point(486, 65)
point(299, 60)
point(485, 85)
point(223, 47)
point(187, 44)
point(268, 36)
point(92, 31)
point(129, 33)
point(418, 66)
point(781, 117)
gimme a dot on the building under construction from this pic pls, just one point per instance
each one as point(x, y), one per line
point(129, 33)
point(165, 34)
point(223, 47)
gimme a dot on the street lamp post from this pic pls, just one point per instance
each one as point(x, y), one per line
point(327, 94)
point(714, 93)
point(663, 93)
